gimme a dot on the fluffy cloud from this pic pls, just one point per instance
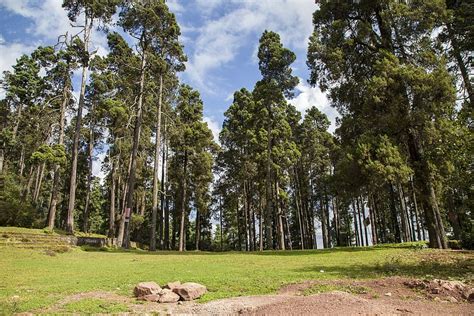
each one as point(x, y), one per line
point(214, 126)
point(313, 96)
point(219, 40)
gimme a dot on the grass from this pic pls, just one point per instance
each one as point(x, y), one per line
point(32, 280)
point(45, 231)
point(92, 305)
point(323, 288)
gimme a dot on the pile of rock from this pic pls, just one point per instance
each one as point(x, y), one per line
point(170, 293)
point(451, 290)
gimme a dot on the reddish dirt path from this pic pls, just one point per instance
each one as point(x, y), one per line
point(387, 296)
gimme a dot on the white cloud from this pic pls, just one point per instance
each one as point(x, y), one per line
point(97, 165)
point(312, 96)
point(214, 126)
point(219, 40)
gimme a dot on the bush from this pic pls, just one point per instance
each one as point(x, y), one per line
point(454, 244)
point(14, 209)
point(467, 237)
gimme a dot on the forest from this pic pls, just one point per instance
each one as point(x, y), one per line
point(399, 167)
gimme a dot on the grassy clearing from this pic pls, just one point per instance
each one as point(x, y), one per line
point(31, 280)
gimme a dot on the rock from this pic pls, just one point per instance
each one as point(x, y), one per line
point(447, 286)
point(437, 299)
point(146, 288)
point(452, 299)
point(172, 285)
point(150, 298)
point(388, 294)
point(190, 291)
point(168, 296)
point(435, 290)
point(470, 295)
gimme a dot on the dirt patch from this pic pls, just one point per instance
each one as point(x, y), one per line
point(394, 295)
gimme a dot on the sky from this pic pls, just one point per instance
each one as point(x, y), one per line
point(220, 38)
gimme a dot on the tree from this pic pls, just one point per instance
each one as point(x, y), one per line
point(92, 11)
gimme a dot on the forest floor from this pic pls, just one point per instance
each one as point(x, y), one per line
point(344, 280)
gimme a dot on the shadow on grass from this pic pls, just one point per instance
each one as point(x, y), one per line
point(427, 266)
point(296, 252)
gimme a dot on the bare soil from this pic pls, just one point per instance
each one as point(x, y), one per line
point(386, 296)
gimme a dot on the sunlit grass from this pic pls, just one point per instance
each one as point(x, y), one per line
point(31, 280)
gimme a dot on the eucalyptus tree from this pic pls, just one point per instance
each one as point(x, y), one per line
point(91, 12)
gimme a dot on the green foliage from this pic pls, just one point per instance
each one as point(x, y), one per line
point(15, 210)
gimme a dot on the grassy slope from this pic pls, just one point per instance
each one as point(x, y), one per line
point(40, 280)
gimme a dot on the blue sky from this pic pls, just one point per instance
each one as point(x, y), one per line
point(220, 38)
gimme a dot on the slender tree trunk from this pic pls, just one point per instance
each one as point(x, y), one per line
point(22, 160)
point(90, 162)
point(2, 159)
point(415, 207)
point(260, 228)
point(111, 231)
point(281, 230)
point(77, 133)
point(162, 194)
point(155, 170)
point(362, 207)
point(136, 140)
point(437, 234)
point(462, 66)
point(221, 223)
point(356, 227)
point(182, 240)
point(39, 181)
point(323, 224)
point(198, 229)
point(167, 221)
point(55, 189)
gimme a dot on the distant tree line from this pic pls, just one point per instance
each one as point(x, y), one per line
point(399, 167)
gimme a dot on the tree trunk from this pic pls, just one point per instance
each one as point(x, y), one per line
point(111, 231)
point(77, 134)
point(356, 227)
point(183, 203)
point(55, 189)
point(323, 224)
point(89, 171)
point(462, 67)
point(281, 230)
point(424, 180)
point(161, 218)
point(155, 170)
point(136, 140)
point(39, 182)
point(198, 229)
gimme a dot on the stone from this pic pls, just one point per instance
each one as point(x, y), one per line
point(190, 291)
point(447, 286)
point(150, 298)
point(168, 296)
point(388, 294)
point(146, 288)
point(435, 290)
point(172, 285)
point(469, 294)
point(437, 299)
point(452, 299)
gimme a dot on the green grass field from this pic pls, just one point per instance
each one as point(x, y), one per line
point(31, 279)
